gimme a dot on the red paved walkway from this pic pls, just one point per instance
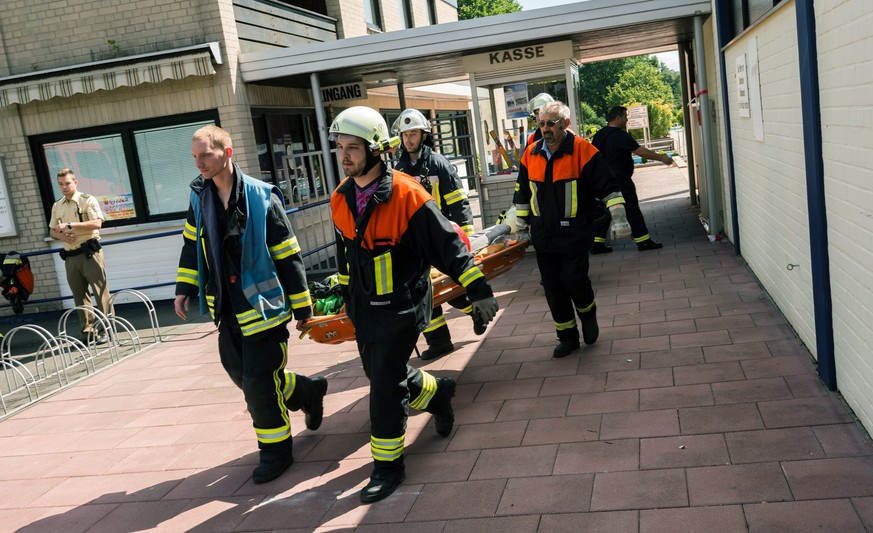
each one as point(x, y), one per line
point(697, 410)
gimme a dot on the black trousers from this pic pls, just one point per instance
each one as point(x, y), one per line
point(256, 364)
point(564, 277)
point(635, 217)
point(394, 388)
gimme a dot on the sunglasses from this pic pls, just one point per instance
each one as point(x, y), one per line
point(550, 123)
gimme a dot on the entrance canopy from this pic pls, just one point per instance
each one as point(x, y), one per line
point(599, 29)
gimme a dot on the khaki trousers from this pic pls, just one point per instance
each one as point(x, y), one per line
point(87, 274)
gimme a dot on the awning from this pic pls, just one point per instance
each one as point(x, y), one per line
point(154, 67)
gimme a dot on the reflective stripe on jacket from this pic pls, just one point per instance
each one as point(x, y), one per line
point(558, 196)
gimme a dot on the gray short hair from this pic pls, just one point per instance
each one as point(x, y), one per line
point(558, 108)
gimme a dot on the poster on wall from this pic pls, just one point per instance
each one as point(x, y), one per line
point(742, 86)
point(754, 80)
point(516, 100)
point(7, 221)
point(118, 207)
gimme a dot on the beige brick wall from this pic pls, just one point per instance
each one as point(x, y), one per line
point(350, 17)
point(69, 32)
point(391, 20)
point(845, 51)
point(771, 175)
point(446, 12)
point(84, 27)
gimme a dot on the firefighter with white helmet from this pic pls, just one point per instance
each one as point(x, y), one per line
point(539, 101)
point(389, 232)
point(439, 177)
point(534, 105)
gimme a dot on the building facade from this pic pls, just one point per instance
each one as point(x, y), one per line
point(119, 88)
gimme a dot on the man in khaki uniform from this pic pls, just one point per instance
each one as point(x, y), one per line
point(76, 220)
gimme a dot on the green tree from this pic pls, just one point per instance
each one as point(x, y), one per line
point(591, 119)
point(471, 9)
point(597, 78)
point(671, 78)
point(640, 83)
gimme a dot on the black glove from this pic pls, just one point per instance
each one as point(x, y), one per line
point(485, 309)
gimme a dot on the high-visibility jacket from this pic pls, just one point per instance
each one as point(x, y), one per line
point(229, 250)
point(559, 196)
point(385, 255)
point(440, 178)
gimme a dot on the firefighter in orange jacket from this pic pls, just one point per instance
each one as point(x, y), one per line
point(439, 177)
point(561, 178)
point(389, 233)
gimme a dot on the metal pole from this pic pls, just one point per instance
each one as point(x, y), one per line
point(706, 129)
point(476, 132)
point(327, 163)
point(686, 122)
point(401, 96)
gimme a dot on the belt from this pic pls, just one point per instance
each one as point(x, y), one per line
point(77, 251)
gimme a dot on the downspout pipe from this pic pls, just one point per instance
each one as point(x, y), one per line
point(327, 163)
point(722, 32)
point(810, 105)
point(712, 187)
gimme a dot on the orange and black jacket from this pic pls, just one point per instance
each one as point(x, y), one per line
point(440, 178)
point(559, 197)
point(385, 256)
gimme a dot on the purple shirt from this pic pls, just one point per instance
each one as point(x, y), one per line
point(363, 195)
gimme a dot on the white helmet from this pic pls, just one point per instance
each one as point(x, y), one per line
point(410, 119)
point(539, 101)
point(366, 123)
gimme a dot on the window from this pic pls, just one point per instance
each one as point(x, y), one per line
point(372, 15)
point(405, 14)
point(139, 172)
point(431, 12)
point(289, 154)
point(743, 13)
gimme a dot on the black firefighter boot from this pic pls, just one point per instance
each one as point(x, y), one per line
point(386, 477)
point(590, 329)
point(308, 395)
point(565, 347)
point(441, 406)
point(439, 342)
point(274, 461)
point(314, 404)
point(648, 244)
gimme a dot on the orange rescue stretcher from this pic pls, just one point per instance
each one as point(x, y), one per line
point(335, 329)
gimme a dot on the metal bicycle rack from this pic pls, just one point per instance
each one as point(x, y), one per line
point(63, 358)
point(150, 307)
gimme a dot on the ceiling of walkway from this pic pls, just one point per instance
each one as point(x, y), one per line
point(599, 29)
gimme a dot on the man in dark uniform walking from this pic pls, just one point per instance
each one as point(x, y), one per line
point(389, 232)
point(616, 145)
point(439, 177)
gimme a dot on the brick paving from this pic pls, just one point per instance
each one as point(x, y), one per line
point(697, 410)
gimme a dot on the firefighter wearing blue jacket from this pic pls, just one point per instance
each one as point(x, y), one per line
point(240, 256)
